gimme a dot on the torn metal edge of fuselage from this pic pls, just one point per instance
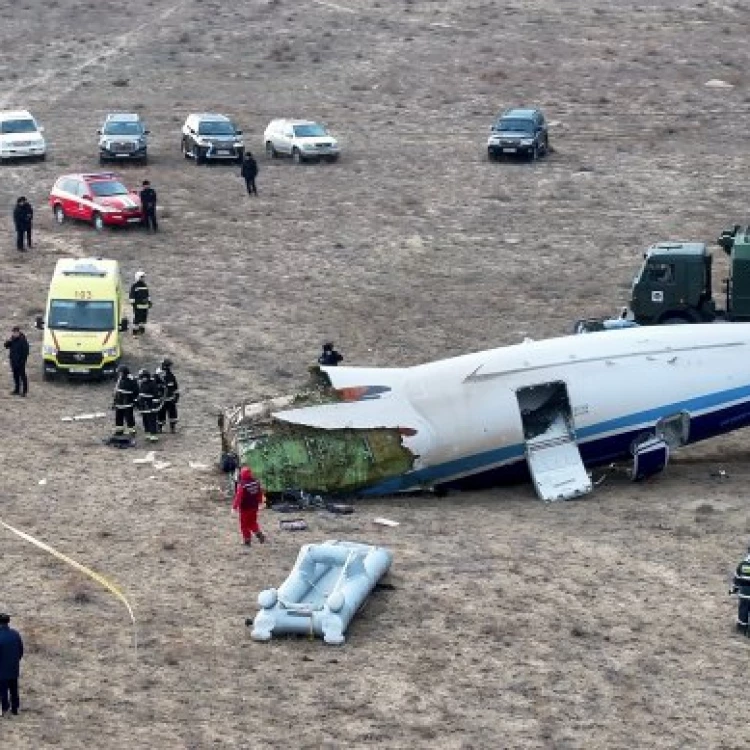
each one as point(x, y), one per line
point(286, 455)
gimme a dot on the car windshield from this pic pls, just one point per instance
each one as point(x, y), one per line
point(79, 315)
point(215, 127)
point(309, 131)
point(118, 127)
point(515, 126)
point(18, 126)
point(105, 189)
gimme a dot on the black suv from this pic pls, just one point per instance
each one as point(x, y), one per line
point(518, 131)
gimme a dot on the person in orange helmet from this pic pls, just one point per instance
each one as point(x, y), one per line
point(247, 499)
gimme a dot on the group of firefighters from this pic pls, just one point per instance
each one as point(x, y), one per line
point(155, 397)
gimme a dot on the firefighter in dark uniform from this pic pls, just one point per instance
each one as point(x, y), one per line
point(161, 393)
point(148, 403)
point(140, 299)
point(148, 205)
point(171, 396)
point(125, 397)
point(329, 357)
point(742, 589)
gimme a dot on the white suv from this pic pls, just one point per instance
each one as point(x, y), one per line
point(209, 136)
point(20, 136)
point(303, 140)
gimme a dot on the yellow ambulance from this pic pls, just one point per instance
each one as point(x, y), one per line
point(83, 319)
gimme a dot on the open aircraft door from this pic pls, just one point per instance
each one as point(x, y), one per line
point(552, 453)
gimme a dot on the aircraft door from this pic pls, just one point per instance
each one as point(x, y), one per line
point(552, 453)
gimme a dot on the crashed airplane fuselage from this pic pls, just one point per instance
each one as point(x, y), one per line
point(549, 409)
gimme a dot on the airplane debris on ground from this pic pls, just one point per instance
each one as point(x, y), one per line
point(547, 410)
point(84, 417)
point(385, 522)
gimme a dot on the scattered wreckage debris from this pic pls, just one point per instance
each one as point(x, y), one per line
point(292, 501)
point(84, 417)
point(385, 522)
point(293, 524)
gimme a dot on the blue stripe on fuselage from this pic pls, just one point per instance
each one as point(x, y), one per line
point(596, 446)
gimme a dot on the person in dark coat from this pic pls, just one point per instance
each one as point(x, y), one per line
point(742, 589)
point(18, 352)
point(148, 206)
point(148, 403)
point(125, 398)
point(11, 653)
point(329, 357)
point(247, 499)
point(168, 408)
point(249, 173)
point(140, 299)
point(23, 217)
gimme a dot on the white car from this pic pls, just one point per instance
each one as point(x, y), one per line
point(208, 136)
point(303, 140)
point(20, 136)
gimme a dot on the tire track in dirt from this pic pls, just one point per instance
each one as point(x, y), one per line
point(117, 46)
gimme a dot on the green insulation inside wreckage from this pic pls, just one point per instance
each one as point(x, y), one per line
point(327, 461)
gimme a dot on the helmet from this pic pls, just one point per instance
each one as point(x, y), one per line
point(139, 275)
point(328, 345)
point(143, 374)
point(123, 370)
point(166, 363)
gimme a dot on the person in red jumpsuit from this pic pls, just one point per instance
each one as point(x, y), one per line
point(247, 499)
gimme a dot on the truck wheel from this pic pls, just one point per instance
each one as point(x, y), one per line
point(297, 156)
point(271, 152)
point(200, 155)
point(97, 221)
point(492, 155)
point(59, 214)
point(534, 153)
point(184, 149)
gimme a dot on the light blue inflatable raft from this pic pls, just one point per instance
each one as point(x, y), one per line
point(328, 584)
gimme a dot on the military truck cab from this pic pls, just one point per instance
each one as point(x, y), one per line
point(674, 285)
point(736, 244)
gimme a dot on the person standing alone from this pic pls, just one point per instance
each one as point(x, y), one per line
point(18, 352)
point(140, 299)
point(249, 173)
point(23, 217)
point(11, 653)
point(148, 206)
point(247, 499)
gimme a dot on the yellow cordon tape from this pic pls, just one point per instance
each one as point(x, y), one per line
point(87, 571)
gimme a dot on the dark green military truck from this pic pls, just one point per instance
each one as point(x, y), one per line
point(674, 284)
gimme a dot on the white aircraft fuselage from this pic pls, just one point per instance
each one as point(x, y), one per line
point(476, 420)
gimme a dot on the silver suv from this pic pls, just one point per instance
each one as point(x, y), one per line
point(123, 137)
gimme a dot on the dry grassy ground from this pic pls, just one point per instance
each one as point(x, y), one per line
point(600, 623)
